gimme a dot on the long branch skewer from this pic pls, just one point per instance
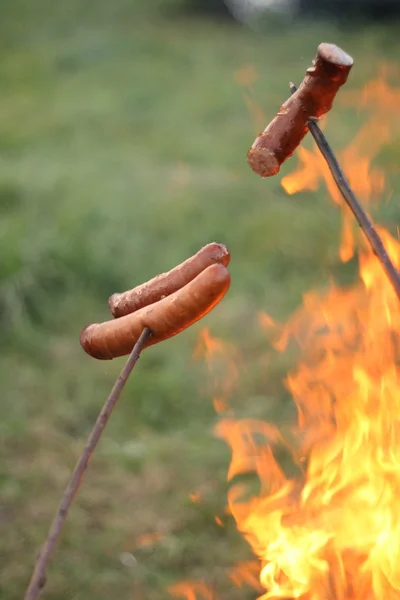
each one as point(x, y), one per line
point(169, 304)
point(352, 202)
point(38, 579)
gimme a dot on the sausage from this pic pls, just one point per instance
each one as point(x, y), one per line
point(165, 318)
point(168, 283)
point(314, 98)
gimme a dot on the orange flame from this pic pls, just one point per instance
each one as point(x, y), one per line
point(246, 573)
point(219, 521)
point(331, 528)
point(222, 361)
point(246, 76)
point(367, 181)
point(191, 590)
point(377, 94)
point(148, 539)
point(324, 522)
point(195, 497)
point(332, 531)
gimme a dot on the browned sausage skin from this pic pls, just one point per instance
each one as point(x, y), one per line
point(168, 283)
point(165, 318)
point(314, 98)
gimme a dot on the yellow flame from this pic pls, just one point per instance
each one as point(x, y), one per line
point(324, 524)
point(333, 530)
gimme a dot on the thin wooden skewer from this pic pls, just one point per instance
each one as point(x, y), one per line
point(352, 202)
point(38, 579)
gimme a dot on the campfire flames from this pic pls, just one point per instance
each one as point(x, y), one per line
point(333, 530)
point(325, 523)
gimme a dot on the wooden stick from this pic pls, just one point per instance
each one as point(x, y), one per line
point(352, 202)
point(38, 579)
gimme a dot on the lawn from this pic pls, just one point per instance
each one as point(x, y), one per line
point(123, 144)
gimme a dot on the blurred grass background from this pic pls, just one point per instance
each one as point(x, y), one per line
point(123, 138)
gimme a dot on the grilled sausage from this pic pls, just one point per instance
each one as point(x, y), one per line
point(165, 318)
point(314, 98)
point(168, 283)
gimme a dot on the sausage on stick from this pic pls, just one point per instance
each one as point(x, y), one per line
point(165, 318)
point(168, 283)
point(314, 98)
point(128, 335)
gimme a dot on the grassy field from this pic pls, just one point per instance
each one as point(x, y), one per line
point(123, 146)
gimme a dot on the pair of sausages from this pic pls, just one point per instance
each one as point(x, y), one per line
point(167, 304)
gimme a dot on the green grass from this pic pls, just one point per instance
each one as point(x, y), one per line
point(123, 150)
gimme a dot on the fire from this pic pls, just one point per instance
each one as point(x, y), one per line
point(246, 573)
point(246, 77)
point(331, 529)
point(191, 590)
point(381, 101)
point(222, 361)
point(148, 539)
point(324, 524)
point(195, 497)
point(368, 182)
